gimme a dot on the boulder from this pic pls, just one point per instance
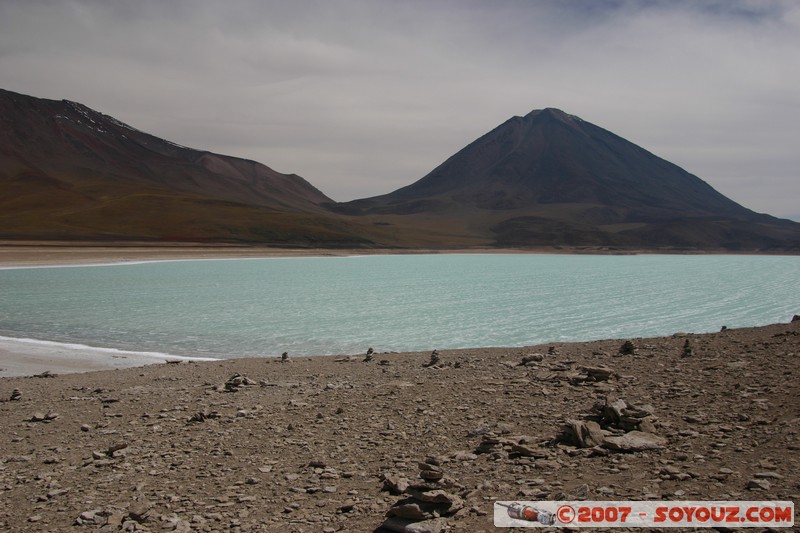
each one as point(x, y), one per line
point(582, 434)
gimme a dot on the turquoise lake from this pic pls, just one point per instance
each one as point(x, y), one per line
point(343, 305)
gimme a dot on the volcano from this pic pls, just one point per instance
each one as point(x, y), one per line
point(550, 178)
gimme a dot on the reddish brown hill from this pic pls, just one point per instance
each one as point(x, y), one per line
point(67, 171)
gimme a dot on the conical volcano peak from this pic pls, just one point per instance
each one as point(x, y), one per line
point(552, 178)
point(552, 113)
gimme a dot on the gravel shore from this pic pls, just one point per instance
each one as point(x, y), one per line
point(330, 444)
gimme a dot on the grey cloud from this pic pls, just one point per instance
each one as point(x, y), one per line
point(361, 97)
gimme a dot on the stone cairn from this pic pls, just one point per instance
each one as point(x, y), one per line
point(613, 425)
point(426, 504)
point(510, 447)
point(370, 355)
point(236, 382)
point(687, 349)
point(627, 348)
point(435, 360)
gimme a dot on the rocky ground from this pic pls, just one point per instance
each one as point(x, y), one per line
point(344, 444)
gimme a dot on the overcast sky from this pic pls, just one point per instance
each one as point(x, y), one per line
point(363, 97)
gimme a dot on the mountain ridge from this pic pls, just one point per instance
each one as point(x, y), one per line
point(70, 172)
point(545, 179)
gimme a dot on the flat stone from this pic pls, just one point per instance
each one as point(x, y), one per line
point(634, 441)
point(401, 525)
point(767, 475)
point(410, 510)
point(758, 484)
point(395, 484)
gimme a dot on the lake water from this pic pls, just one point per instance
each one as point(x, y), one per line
point(343, 305)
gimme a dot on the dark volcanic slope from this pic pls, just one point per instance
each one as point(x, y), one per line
point(552, 178)
point(67, 171)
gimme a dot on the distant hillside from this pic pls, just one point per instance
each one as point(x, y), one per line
point(550, 178)
point(69, 172)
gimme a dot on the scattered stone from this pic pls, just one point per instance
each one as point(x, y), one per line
point(481, 434)
point(44, 417)
point(635, 441)
point(140, 511)
point(89, 517)
point(395, 484)
point(114, 449)
point(45, 374)
point(465, 456)
point(346, 507)
point(203, 415)
point(531, 359)
point(767, 475)
point(56, 492)
point(758, 484)
point(404, 525)
point(511, 446)
point(591, 374)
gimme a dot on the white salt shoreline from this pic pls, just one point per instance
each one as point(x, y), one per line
point(28, 357)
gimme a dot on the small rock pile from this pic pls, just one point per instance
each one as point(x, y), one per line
point(687, 349)
point(44, 417)
point(616, 426)
point(435, 360)
point(236, 382)
point(370, 355)
point(203, 415)
point(510, 446)
point(531, 359)
point(592, 374)
point(627, 348)
point(426, 505)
